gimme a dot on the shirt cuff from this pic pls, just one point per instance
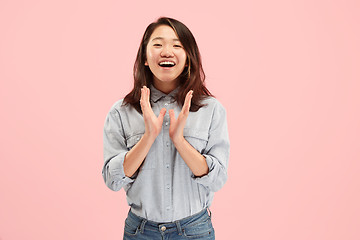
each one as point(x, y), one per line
point(207, 179)
point(118, 179)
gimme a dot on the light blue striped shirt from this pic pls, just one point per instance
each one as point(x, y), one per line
point(164, 189)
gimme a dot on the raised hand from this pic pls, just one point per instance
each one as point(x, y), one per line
point(177, 125)
point(153, 124)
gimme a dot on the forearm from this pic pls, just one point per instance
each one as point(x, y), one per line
point(195, 161)
point(135, 157)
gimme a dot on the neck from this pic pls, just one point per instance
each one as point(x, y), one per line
point(165, 87)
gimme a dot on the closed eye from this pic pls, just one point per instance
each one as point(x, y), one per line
point(157, 45)
point(177, 46)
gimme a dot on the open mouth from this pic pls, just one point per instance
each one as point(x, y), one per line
point(167, 64)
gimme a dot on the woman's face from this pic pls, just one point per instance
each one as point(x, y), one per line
point(165, 56)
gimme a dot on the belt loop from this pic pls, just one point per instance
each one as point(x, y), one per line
point(209, 212)
point(178, 226)
point(142, 226)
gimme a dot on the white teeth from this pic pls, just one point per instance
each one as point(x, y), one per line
point(166, 62)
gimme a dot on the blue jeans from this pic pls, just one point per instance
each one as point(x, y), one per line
point(197, 226)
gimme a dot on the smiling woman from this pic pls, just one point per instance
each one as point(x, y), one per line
point(165, 57)
point(170, 167)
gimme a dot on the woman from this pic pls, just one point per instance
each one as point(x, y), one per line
point(166, 143)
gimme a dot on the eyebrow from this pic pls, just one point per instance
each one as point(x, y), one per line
point(161, 38)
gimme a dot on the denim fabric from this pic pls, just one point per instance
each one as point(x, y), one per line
point(164, 189)
point(197, 226)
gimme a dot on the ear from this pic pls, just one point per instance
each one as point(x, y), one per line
point(146, 63)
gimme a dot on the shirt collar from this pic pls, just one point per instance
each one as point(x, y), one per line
point(156, 94)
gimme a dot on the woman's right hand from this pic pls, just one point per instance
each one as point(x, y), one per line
point(153, 124)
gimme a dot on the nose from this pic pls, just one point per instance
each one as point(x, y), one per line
point(167, 52)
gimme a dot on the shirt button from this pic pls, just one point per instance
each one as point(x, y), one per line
point(166, 123)
point(167, 165)
point(166, 104)
point(167, 144)
point(168, 186)
point(168, 208)
point(163, 228)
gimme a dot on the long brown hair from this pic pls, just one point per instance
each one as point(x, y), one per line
point(192, 77)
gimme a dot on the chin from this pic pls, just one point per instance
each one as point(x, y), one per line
point(167, 79)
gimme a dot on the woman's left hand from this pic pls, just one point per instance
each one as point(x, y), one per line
point(177, 125)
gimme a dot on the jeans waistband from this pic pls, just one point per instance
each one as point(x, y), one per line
point(176, 225)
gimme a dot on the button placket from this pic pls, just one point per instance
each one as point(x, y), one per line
point(167, 117)
point(167, 151)
point(166, 120)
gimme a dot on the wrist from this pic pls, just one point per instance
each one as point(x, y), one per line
point(178, 141)
point(148, 138)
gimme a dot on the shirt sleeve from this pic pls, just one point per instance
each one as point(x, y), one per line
point(114, 153)
point(216, 152)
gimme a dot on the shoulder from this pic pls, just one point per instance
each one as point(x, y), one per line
point(119, 107)
point(213, 104)
point(116, 106)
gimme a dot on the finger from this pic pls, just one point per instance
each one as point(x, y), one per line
point(162, 114)
point(142, 97)
point(187, 102)
point(172, 116)
point(147, 95)
point(144, 103)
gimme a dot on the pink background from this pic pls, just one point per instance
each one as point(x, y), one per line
point(286, 71)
